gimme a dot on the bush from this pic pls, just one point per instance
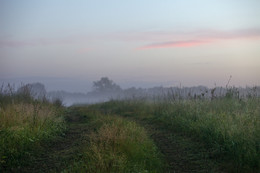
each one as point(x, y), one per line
point(118, 145)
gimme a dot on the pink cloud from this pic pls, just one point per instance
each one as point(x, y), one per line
point(162, 36)
point(188, 43)
point(155, 39)
point(196, 38)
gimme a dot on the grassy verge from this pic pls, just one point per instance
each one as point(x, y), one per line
point(24, 125)
point(229, 127)
point(116, 145)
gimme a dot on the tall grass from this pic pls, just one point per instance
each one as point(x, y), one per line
point(118, 145)
point(229, 126)
point(24, 124)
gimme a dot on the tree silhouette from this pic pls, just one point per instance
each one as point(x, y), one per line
point(105, 85)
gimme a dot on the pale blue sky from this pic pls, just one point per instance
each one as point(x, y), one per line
point(142, 43)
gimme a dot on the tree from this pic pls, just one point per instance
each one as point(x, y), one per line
point(105, 85)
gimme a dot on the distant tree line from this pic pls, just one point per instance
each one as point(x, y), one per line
point(106, 89)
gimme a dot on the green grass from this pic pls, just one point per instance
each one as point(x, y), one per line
point(228, 126)
point(24, 125)
point(231, 127)
point(116, 145)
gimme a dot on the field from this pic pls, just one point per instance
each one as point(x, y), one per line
point(221, 134)
point(228, 128)
point(26, 123)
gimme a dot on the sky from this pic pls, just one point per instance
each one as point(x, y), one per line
point(69, 44)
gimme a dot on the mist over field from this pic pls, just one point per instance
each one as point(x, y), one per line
point(105, 89)
point(130, 86)
point(68, 45)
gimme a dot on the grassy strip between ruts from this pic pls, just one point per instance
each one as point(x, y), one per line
point(116, 145)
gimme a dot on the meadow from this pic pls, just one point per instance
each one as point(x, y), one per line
point(37, 135)
point(25, 123)
point(167, 134)
point(229, 126)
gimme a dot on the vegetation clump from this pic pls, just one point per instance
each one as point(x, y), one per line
point(116, 145)
point(25, 122)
